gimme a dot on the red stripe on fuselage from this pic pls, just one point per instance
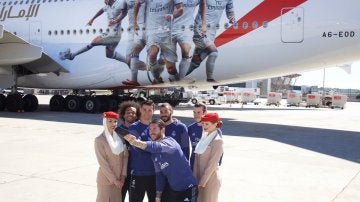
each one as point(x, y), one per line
point(268, 10)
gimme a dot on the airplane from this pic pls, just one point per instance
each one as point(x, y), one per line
point(270, 38)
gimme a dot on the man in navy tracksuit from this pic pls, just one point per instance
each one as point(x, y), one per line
point(175, 129)
point(174, 179)
point(142, 167)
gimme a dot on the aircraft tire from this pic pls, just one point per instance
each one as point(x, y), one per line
point(31, 103)
point(57, 103)
point(73, 103)
point(14, 102)
point(212, 102)
point(194, 101)
point(91, 105)
point(2, 102)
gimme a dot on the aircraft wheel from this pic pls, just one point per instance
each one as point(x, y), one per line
point(2, 102)
point(73, 103)
point(14, 102)
point(91, 105)
point(212, 102)
point(57, 103)
point(194, 101)
point(31, 103)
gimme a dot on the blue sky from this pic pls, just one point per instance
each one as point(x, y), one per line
point(335, 77)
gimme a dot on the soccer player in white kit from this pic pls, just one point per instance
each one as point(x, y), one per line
point(137, 38)
point(116, 11)
point(204, 46)
point(159, 16)
point(182, 32)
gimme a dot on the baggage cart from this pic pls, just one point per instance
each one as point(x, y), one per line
point(338, 101)
point(293, 99)
point(274, 98)
point(247, 97)
point(313, 100)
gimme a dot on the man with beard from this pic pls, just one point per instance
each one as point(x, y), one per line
point(175, 128)
point(174, 178)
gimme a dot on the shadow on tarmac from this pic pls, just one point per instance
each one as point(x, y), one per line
point(337, 143)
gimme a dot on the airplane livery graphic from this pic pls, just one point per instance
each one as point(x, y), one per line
point(89, 44)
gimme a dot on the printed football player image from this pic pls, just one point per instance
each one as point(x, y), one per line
point(204, 45)
point(159, 18)
point(182, 32)
point(116, 11)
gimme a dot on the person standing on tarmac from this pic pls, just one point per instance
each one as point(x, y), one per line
point(174, 179)
point(208, 153)
point(175, 128)
point(129, 112)
point(142, 167)
point(112, 156)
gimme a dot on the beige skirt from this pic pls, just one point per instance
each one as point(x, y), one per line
point(108, 193)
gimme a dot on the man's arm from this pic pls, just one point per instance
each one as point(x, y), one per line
point(202, 8)
point(179, 9)
point(118, 18)
point(135, 14)
point(230, 14)
point(100, 12)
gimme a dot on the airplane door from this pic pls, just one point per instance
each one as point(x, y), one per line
point(292, 25)
point(35, 33)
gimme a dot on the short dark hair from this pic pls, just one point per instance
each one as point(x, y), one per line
point(124, 105)
point(148, 102)
point(203, 106)
point(159, 122)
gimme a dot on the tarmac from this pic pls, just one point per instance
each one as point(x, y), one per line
point(271, 154)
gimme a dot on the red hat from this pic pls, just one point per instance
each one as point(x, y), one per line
point(212, 117)
point(110, 114)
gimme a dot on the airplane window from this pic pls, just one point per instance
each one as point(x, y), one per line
point(4, 3)
point(255, 24)
point(81, 31)
point(217, 26)
point(245, 25)
point(38, 1)
point(62, 32)
point(49, 1)
point(122, 29)
point(55, 0)
point(100, 31)
point(27, 1)
point(15, 2)
point(265, 24)
point(15, 33)
point(107, 30)
point(74, 31)
point(21, 2)
point(235, 25)
point(55, 32)
point(33, 1)
point(87, 31)
point(226, 25)
point(10, 3)
point(49, 33)
point(94, 31)
point(68, 32)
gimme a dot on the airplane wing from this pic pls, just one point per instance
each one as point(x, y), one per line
point(14, 50)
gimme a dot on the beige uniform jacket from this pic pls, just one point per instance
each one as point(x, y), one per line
point(206, 171)
point(111, 166)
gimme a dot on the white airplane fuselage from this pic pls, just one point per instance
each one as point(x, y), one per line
point(273, 38)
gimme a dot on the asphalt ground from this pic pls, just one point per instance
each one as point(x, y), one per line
point(271, 153)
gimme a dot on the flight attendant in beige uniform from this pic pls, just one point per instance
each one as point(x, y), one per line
point(112, 156)
point(207, 157)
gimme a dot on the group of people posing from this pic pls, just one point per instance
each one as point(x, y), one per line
point(161, 25)
point(162, 157)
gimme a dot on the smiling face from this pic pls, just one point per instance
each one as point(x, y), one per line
point(209, 126)
point(130, 115)
point(155, 132)
point(111, 124)
point(198, 112)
